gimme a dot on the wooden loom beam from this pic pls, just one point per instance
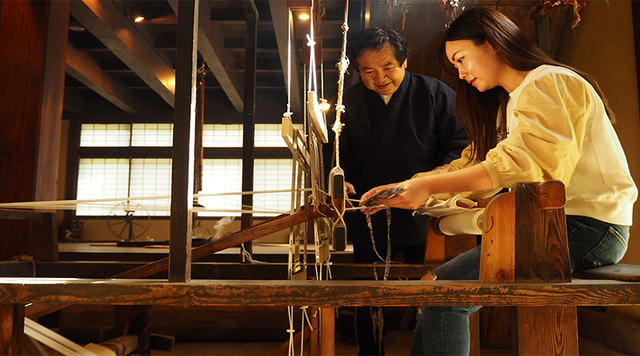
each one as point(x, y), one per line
point(330, 293)
point(538, 287)
point(256, 231)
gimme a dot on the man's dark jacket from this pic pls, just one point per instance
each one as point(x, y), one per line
point(380, 144)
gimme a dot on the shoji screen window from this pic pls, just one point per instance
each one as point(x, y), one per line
point(224, 176)
point(134, 160)
point(132, 176)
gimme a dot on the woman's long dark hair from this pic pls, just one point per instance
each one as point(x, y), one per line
point(477, 111)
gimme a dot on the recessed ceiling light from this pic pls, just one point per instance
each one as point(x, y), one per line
point(136, 16)
point(76, 28)
point(303, 17)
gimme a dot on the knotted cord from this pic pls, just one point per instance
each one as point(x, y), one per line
point(342, 66)
point(336, 176)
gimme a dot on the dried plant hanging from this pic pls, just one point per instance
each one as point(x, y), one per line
point(547, 6)
point(452, 9)
point(397, 7)
point(319, 11)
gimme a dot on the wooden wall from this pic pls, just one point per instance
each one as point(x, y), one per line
point(605, 47)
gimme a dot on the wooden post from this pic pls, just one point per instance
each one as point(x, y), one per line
point(183, 143)
point(248, 149)
point(34, 37)
point(12, 336)
point(199, 148)
point(525, 240)
point(328, 331)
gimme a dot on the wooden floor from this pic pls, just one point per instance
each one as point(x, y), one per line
point(265, 327)
point(397, 342)
point(222, 331)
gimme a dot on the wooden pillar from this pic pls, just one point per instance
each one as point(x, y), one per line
point(184, 120)
point(248, 148)
point(525, 240)
point(328, 331)
point(199, 148)
point(12, 321)
point(32, 67)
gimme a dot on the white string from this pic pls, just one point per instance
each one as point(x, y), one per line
point(329, 263)
point(312, 55)
point(107, 202)
point(342, 65)
point(291, 331)
point(305, 317)
point(290, 21)
point(337, 126)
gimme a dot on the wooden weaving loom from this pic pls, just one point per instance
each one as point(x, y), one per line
point(524, 264)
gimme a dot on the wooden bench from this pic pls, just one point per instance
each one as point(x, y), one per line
point(525, 264)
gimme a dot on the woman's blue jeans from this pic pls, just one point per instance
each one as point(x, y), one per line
point(445, 330)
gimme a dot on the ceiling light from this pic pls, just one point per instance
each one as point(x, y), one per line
point(303, 16)
point(136, 16)
point(75, 26)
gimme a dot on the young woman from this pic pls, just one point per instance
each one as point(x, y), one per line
point(529, 118)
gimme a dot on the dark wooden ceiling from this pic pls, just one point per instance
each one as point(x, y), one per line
point(120, 67)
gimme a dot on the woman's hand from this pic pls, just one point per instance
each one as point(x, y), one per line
point(414, 192)
point(417, 190)
point(371, 193)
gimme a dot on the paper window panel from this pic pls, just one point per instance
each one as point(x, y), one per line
point(269, 135)
point(222, 135)
point(101, 178)
point(272, 175)
point(151, 177)
point(105, 135)
point(151, 135)
point(221, 176)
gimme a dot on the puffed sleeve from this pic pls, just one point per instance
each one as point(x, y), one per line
point(546, 143)
point(456, 165)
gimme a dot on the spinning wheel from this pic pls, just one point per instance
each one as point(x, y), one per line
point(200, 232)
point(128, 227)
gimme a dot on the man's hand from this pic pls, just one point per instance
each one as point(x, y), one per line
point(444, 167)
point(349, 190)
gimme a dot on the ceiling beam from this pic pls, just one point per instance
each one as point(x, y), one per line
point(221, 63)
point(281, 23)
point(109, 25)
point(84, 68)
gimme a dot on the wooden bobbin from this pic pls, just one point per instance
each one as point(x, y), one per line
point(337, 189)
